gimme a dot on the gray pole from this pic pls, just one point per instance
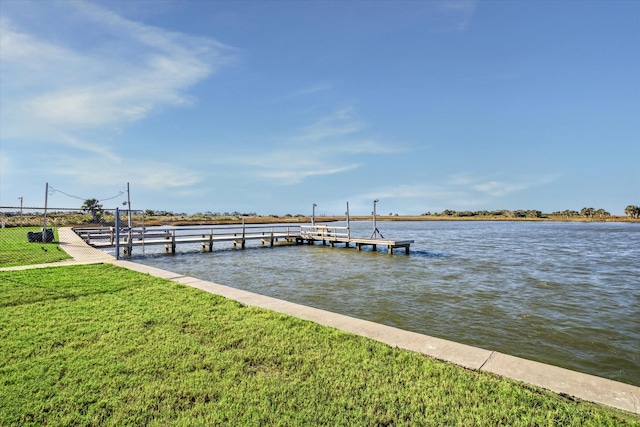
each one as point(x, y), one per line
point(117, 233)
point(375, 227)
point(129, 202)
point(348, 226)
point(21, 221)
point(44, 225)
point(129, 242)
point(313, 214)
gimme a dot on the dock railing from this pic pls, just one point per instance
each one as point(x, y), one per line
point(205, 235)
point(323, 231)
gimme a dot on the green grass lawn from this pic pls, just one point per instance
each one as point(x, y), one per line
point(15, 249)
point(101, 345)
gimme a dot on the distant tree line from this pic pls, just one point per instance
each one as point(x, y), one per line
point(95, 208)
point(499, 213)
point(151, 212)
point(587, 213)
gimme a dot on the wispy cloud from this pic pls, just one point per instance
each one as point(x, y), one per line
point(320, 87)
point(498, 188)
point(294, 176)
point(455, 15)
point(462, 191)
point(332, 144)
point(339, 124)
point(54, 89)
point(152, 175)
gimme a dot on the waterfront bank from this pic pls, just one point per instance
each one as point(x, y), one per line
point(564, 294)
point(583, 386)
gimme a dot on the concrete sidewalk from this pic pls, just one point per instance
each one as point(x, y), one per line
point(583, 386)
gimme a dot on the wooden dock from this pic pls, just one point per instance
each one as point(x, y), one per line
point(238, 235)
point(107, 237)
point(332, 235)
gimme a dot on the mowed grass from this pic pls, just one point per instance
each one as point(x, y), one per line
point(101, 345)
point(15, 249)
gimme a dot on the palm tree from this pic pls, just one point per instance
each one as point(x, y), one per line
point(93, 206)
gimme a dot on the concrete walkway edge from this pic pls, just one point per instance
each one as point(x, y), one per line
point(560, 380)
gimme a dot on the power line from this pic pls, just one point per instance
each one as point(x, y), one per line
point(54, 190)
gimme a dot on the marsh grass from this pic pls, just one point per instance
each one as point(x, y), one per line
point(15, 249)
point(101, 345)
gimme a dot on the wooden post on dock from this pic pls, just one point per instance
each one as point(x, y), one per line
point(171, 246)
point(243, 232)
point(207, 243)
point(348, 227)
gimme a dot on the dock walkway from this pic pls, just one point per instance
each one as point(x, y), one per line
point(107, 237)
point(127, 239)
point(332, 235)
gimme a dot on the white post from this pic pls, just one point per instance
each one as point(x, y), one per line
point(129, 202)
point(143, 233)
point(21, 221)
point(313, 214)
point(348, 225)
point(44, 225)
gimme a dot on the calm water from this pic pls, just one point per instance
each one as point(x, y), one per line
point(566, 294)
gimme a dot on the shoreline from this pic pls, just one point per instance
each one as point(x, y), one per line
point(587, 387)
point(322, 219)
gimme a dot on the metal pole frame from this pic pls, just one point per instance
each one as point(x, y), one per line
point(117, 233)
point(129, 203)
point(375, 227)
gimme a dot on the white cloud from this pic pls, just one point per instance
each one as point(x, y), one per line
point(331, 145)
point(497, 188)
point(55, 89)
point(320, 87)
point(147, 176)
point(461, 191)
point(295, 176)
point(339, 124)
point(494, 187)
point(100, 149)
point(455, 15)
point(501, 188)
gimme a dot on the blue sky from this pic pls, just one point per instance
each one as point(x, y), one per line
point(272, 106)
